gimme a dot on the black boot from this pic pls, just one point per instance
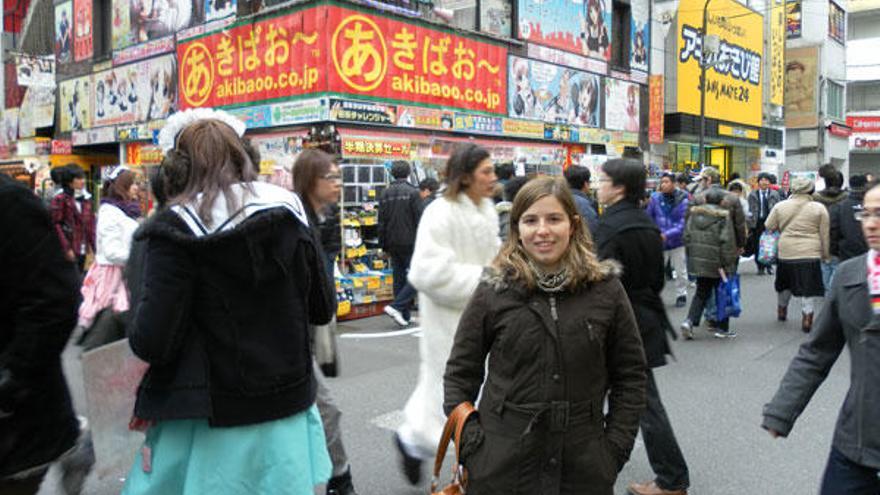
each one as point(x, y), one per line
point(412, 466)
point(341, 485)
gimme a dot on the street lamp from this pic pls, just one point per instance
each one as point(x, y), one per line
point(709, 46)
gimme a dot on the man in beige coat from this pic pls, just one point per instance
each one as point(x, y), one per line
point(803, 245)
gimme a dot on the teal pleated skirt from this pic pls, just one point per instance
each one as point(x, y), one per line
point(187, 457)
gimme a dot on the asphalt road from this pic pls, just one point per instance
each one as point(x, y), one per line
point(713, 393)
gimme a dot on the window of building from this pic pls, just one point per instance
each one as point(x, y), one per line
point(101, 29)
point(496, 17)
point(620, 34)
point(835, 100)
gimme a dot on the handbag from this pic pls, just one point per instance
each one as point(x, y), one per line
point(768, 247)
point(454, 423)
point(727, 300)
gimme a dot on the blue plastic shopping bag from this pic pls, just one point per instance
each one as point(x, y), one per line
point(727, 302)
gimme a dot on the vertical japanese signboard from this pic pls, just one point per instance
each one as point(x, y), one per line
point(777, 52)
point(82, 21)
point(734, 88)
point(344, 51)
point(655, 122)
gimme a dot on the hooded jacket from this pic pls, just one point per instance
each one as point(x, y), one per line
point(710, 241)
point(846, 237)
point(224, 310)
point(829, 196)
point(554, 359)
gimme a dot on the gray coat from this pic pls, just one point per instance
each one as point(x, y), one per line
point(755, 205)
point(846, 319)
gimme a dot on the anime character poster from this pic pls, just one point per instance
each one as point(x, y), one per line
point(578, 26)
point(82, 45)
point(551, 93)
point(138, 92)
point(63, 32)
point(218, 9)
point(74, 101)
point(139, 21)
point(622, 100)
point(640, 35)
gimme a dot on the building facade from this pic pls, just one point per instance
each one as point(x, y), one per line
point(863, 87)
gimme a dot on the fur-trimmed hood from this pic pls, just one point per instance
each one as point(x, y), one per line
point(501, 281)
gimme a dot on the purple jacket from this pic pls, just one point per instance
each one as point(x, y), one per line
point(669, 218)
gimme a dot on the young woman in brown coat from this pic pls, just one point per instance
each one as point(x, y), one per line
point(561, 338)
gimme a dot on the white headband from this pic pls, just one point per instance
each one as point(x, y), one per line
point(114, 174)
point(181, 120)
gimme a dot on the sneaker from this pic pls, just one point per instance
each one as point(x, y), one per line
point(341, 485)
point(725, 334)
point(412, 466)
point(681, 301)
point(396, 315)
point(687, 330)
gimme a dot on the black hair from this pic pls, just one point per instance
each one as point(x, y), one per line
point(715, 195)
point(827, 171)
point(857, 181)
point(504, 171)
point(158, 187)
point(513, 186)
point(668, 175)
point(733, 176)
point(577, 177)
point(461, 164)
point(64, 176)
point(429, 184)
point(682, 178)
point(773, 178)
point(735, 186)
point(630, 174)
point(764, 175)
point(400, 169)
point(834, 180)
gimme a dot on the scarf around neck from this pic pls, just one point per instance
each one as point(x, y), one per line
point(874, 279)
point(132, 209)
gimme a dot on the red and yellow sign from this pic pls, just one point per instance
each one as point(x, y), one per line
point(655, 122)
point(345, 51)
point(143, 154)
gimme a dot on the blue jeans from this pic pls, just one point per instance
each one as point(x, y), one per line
point(845, 477)
point(404, 293)
point(828, 270)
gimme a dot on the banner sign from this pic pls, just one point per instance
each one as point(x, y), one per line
point(640, 34)
point(777, 53)
point(864, 142)
point(144, 50)
point(82, 21)
point(836, 22)
point(139, 21)
point(568, 59)
point(801, 81)
point(550, 93)
point(369, 55)
point(63, 32)
point(375, 147)
point(793, 19)
point(73, 98)
point(655, 119)
point(362, 112)
point(143, 154)
point(734, 87)
point(477, 123)
point(621, 105)
point(522, 128)
point(62, 147)
point(867, 124)
point(390, 59)
point(137, 92)
point(424, 118)
point(297, 112)
point(254, 117)
point(34, 70)
point(37, 109)
point(738, 132)
point(582, 27)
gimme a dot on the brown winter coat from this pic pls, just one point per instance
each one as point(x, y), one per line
point(541, 406)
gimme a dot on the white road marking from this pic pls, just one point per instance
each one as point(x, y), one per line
point(381, 335)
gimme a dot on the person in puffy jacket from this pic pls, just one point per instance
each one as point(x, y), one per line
point(668, 208)
point(711, 253)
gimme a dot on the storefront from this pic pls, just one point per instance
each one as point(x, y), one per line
point(864, 143)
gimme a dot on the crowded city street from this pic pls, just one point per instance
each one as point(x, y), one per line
point(714, 394)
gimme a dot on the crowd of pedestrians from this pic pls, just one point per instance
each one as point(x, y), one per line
point(226, 292)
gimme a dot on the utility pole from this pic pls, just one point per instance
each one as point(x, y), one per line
point(703, 66)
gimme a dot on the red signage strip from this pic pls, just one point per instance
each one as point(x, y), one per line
point(864, 124)
point(839, 130)
point(330, 48)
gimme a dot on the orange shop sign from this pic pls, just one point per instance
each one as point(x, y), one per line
point(344, 51)
point(655, 118)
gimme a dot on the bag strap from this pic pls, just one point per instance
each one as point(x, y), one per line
point(454, 424)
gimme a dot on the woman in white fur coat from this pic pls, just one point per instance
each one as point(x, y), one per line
point(456, 238)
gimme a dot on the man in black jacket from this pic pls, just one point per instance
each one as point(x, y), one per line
point(847, 240)
point(400, 209)
point(38, 305)
point(628, 235)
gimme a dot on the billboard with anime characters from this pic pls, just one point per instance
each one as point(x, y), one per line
point(138, 21)
point(578, 26)
point(73, 97)
point(63, 32)
point(640, 35)
point(622, 100)
point(139, 92)
point(552, 93)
